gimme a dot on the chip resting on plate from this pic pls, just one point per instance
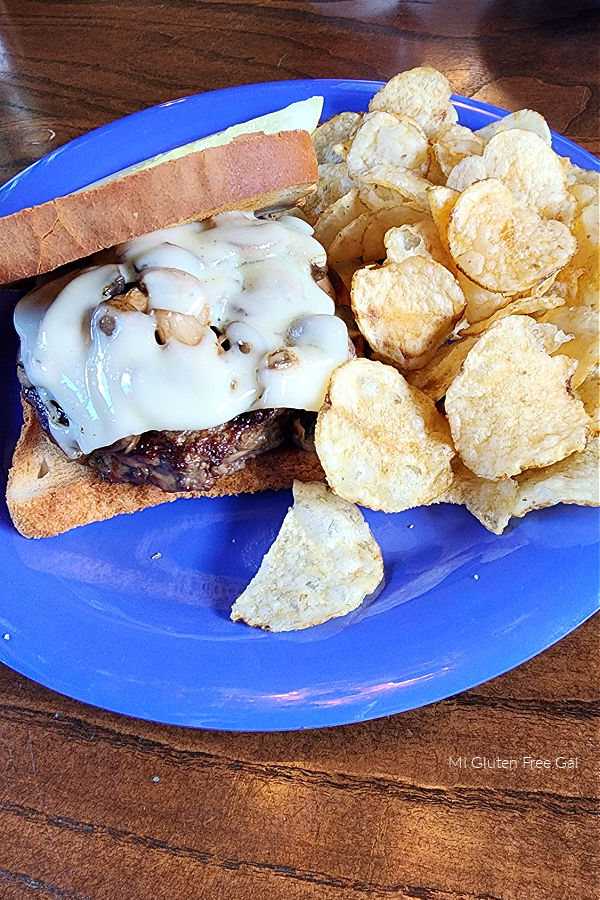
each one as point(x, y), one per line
point(323, 563)
point(381, 442)
point(571, 480)
point(500, 244)
point(512, 407)
point(492, 502)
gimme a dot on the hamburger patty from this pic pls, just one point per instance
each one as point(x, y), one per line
point(193, 460)
point(186, 460)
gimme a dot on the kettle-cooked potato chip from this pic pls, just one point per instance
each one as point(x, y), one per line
point(339, 214)
point(379, 223)
point(502, 246)
point(436, 376)
point(583, 323)
point(334, 131)
point(492, 502)
point(454, 143)
point(409, 240)
point(589, 392)
point(531, 170)
point(423, 93)
point(466, 172)
point(388, 139)
point(334, 182)
point(406, 310)
point(519, 306)
point(511, 407)
point(409, 187)
point(525, 119)
point(381, 442)
point(571, 480)
point(323, 563)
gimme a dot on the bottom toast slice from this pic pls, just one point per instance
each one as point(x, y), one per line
point(47, 493)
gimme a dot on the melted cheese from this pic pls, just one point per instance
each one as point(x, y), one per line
point(277, 342)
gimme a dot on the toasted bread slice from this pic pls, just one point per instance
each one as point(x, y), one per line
point(253, 172)
point(48, 493)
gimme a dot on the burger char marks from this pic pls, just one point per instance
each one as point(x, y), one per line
point(193, 460)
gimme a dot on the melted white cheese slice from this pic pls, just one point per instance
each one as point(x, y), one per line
point(277, 345)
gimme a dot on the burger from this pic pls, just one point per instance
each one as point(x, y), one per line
point(189, 353)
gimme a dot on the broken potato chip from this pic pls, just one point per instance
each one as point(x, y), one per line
point(511, 407)
point(323, 564)
point(382, 443)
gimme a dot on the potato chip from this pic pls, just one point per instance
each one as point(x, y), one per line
point(575, 175)
point(348, 244)
point(406, 310)
point(524, 119)
point(583, 270)
point(323, 563)
point(381, 442)
point(344, 272)
point(511, 406)
point(491, 502)
point(409, 187)
point(530, 169)
point(406, 240)
point(334, 131)
point(582, 322)
point(403, 241)
point(518, 306)
point(502, 246)
point(379, 223)
point(334, 182)
point(375, 197)
point(435, 176)
point(422, 93)
point(333, 219)
point(390, 140)
point(466, 172)
point(589, 393)
point(453, 143)
point(437, 375)
point(442, 201)
point(575, 479)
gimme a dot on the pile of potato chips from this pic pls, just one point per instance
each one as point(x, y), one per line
point(469, 263)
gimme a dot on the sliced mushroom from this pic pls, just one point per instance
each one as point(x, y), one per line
point(178, 327)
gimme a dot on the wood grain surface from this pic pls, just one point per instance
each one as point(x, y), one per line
point(95, 806)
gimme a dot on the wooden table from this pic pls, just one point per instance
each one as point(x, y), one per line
point(96, 806)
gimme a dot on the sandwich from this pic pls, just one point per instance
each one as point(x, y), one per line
point(187, 351)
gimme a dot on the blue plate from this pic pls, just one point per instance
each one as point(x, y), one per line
point(132, 614)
